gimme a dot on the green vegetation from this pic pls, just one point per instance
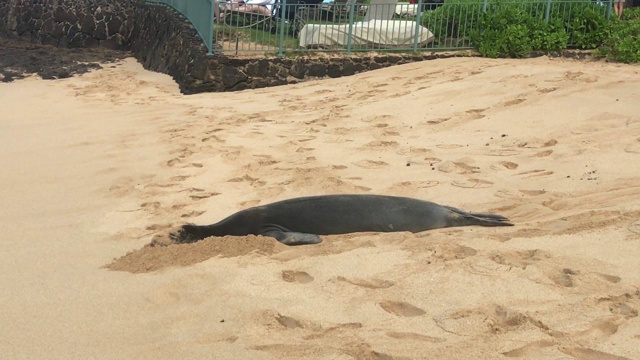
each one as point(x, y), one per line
point(515, 28)
point(623, 42)
point(516, 31)
point(499, 28)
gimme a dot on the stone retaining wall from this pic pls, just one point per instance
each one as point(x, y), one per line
point(164, 41)
point(233, 74)
point(69, 23)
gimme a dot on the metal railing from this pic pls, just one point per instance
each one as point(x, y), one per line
point(295, 26)
point(344, 27)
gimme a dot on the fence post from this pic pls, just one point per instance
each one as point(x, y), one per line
point(484, 6)
point(212, 19)
point(418, 26)
point(283, 11)
point(547, 11)
point(609, 5)
point(352, 4)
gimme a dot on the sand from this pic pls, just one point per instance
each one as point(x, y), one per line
point(95, 166)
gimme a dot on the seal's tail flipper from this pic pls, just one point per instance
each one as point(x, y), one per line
point(288, 237)
point(491, 220)
point(480, 219)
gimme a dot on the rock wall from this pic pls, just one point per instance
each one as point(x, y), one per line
point(231, 74)
point(164, 41)
point(69, 23)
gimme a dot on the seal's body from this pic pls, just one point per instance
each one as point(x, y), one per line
point(300, 220)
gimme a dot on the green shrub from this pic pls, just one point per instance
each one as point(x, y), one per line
point(515, 28)
point(586, 23)
point(515, 31)
point(631, 14)
point(453, 19)
point(623, 42)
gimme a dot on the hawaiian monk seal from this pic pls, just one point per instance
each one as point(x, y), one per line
point(299, 221)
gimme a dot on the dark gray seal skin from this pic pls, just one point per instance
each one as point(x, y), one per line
point(301, 220)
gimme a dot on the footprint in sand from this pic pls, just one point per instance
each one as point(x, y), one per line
point(564, 277)
point(179, 178)
point(547, 90)
point(438, 120)
point(533, 173)
point(204, 195)
point(610, 278)
point(155, 185)
point(369, 284)
point(475, 114)
point(635, 227)
point(304, 149)
point(191, 214)
point(414, 336)
point(543, 153)
point(494, 319)
point(267, 162)
point(625, 305)
point(430, 160)
point(213, 138)
point(504, 165)
point(336, 330)
point(174, 162)
point(251, 180)
point(179, 163)
point(634, 147)
point(363, 350)
point(381, 144)
point(455, 252)
point(340, 131)
point(532, 192)
point(401, 308)
point(448, 146)
point(154, 205)
point(473, 184)
point(411, 186)
point(371, 164)
point(231, 155)
point(519, 259)
point(296, 276)
point(503, 152)
point(538, 143)
point(245, 177)
point(457, 167)
point(183, 152)
point(288, 322)
point(158, 227)
point(514, 102)
point(530, 349)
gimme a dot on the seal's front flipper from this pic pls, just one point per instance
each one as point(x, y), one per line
point(288, 237)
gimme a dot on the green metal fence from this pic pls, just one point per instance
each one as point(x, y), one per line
point(200, 13)
point(293, 26)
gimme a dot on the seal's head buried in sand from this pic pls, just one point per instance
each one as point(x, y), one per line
point(301, 220)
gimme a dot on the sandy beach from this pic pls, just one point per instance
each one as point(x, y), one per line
point(96, 165)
